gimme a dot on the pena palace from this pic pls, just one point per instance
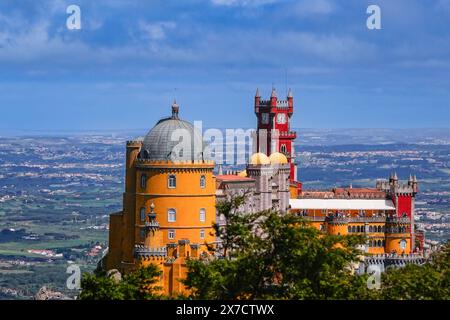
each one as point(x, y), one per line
point(169, 203)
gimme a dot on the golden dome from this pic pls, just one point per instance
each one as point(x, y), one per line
point(243, 173)
point(259, 158)
point(278, 158)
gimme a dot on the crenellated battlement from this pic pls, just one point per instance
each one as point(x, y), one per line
point(134, 143)
point(394, 187)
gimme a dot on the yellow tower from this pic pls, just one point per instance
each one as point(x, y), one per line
point(169, 203)
point(398, 232)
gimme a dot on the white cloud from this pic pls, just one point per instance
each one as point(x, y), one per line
point(156, 31)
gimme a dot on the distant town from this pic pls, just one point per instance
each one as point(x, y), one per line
point(57, 192)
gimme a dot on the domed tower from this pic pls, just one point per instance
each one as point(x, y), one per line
point(169, 200)
point(271, 175)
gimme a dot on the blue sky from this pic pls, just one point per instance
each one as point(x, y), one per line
point(121, 69)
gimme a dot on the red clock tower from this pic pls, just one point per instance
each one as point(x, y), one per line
point(273, 128)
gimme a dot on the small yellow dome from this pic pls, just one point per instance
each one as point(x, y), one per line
point(278, 158)
point(259, 158)
point(243, 173)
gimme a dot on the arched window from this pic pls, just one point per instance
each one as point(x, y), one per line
point(283, 149)
point(379, 228)
point(172, 181)
point(202, 182)
point(349, 229)
point(353, 229)
point(202, 234)
point(202, 215)
point(171, 215)
point(379, 243)
point(403, 244)
point(358, 229)
point(370, 229)
point(142, 214)
point(143, 181)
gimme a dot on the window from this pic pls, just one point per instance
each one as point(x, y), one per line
point(281, 118)
point(403, 244)
point(349, 229)
point(202, 234)
point(144, 181)
point(171, 234)
point(142, 214)
point(202, 215)
point(202, 182)
point(283, 149)
point(172, 181)
point(171, 215)
point(142, 234)
point(264, 118)
point(379, 243)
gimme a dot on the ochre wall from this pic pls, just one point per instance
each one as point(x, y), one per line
point(187, 199)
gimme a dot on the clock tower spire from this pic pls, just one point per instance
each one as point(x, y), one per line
point(274, 132)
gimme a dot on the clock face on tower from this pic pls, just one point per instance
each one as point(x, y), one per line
point(281, 118)
point(265, 118)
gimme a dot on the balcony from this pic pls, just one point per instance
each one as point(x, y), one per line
point(402, 220)
point(145, 252)
point(366, 219)
point(152, 224)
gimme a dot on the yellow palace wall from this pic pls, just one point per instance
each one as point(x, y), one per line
point(389, 242)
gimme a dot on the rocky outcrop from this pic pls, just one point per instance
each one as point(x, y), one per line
point(45, 293)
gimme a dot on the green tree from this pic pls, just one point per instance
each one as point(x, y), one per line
point(269, 255)
point(430, 281)
point(137, 285)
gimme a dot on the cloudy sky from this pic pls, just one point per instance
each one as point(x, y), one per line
point(130, 59)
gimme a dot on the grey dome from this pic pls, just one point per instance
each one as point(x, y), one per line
point(173, 139)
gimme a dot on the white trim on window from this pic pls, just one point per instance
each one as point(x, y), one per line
point(172, 181)
point(203, 181)
point(202, 215)
point(171, 215)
